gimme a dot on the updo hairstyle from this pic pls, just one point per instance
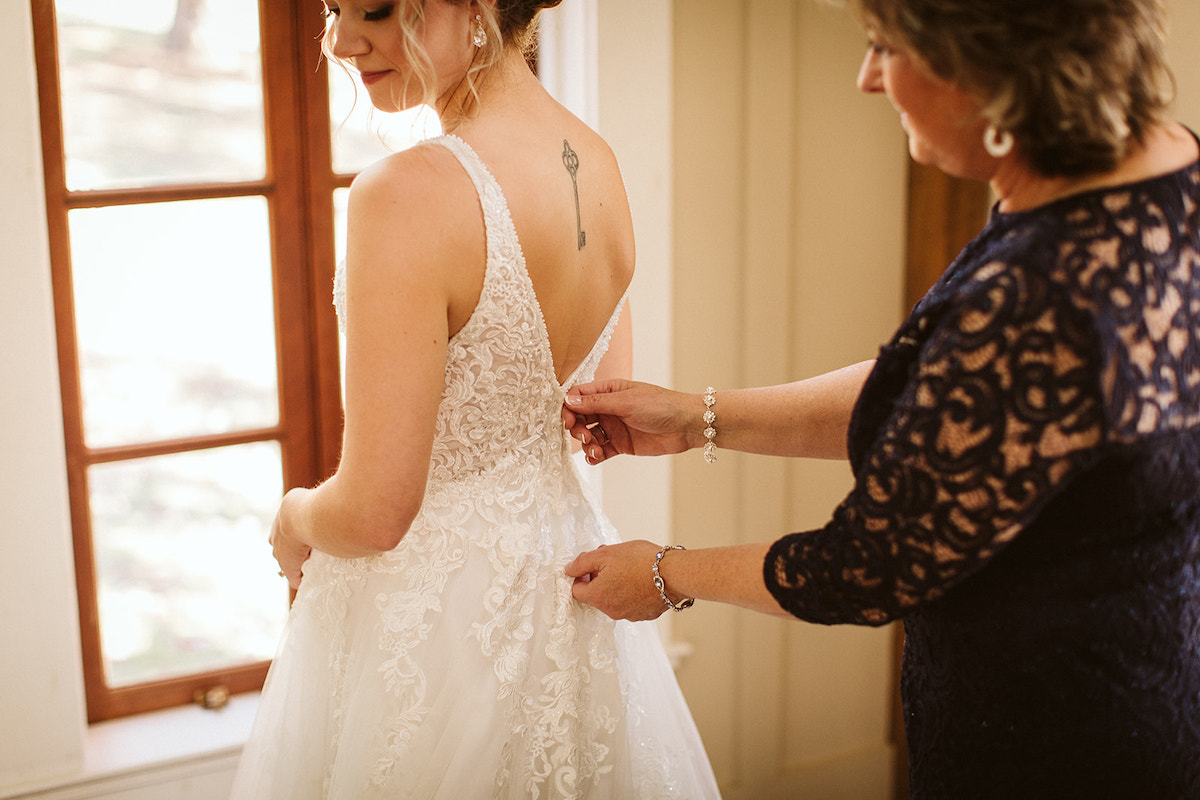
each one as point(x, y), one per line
point(1074, 81)
point(509, 24)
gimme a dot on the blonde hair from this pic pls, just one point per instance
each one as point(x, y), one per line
point(508, 24)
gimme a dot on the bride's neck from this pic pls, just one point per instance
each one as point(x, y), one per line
point(504, 86)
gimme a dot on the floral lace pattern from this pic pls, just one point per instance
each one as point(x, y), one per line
point(1027, 498)
point(499, 490)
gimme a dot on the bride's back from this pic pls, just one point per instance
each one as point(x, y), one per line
point(568, 204)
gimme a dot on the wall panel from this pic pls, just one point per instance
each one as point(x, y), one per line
point(788, 230)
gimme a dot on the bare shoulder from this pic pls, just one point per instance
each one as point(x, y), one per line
point(420, 203)
point(413, 225)
point(416, 184)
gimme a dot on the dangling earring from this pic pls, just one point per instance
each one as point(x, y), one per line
point(998, 143)
point(479, 36)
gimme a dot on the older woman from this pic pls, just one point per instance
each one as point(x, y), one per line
point(1026, 449)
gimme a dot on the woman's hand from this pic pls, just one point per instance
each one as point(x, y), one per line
point(612, 417)
point(291, 553)
point(619, 580)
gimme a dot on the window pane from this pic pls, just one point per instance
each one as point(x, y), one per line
point(362, 135)
point(158, 92)
point(175, 319)
point(341, 201)
point(185, 578)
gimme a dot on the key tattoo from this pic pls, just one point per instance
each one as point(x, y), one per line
point(571, 162)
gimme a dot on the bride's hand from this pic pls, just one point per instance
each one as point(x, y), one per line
point(290, 552)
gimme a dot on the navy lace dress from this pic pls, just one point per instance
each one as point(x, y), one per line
point(1027, 500)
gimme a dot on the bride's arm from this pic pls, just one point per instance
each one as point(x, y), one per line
point(403, 279)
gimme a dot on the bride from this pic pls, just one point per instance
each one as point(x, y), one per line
point(434, 649)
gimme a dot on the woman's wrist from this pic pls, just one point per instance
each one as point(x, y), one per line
point(709, 418)
point(691, 421)
point(291, 514)
point(671, 598)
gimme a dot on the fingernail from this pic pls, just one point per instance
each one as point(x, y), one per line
point(574, 399)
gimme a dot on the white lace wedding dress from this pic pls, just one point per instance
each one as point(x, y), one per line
point(458, 666)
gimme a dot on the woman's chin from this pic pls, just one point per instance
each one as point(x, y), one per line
point(382, 100)
point(385, 99)
point(924, 155)
point(390, 105)
point(918, 152)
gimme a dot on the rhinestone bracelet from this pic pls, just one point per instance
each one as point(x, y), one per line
point(710, 425)
point(662, 586)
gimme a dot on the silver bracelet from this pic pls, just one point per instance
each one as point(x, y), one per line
point(710, 425)
point(662, 586)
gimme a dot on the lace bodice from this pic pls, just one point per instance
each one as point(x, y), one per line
point(1027, 497)
point(500, 383)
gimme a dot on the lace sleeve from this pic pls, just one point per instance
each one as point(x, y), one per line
point(1002, 408)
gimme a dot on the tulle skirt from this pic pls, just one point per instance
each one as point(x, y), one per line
point(460, 667)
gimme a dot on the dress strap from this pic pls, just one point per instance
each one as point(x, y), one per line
point(490, 195)
point(499, 232)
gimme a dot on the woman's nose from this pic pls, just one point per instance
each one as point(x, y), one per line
point(347, 41)
point(870, 74)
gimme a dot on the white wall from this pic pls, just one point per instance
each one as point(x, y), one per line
point(41, 711)
point(789, 205)
point(638, 126)
point(1185, 59)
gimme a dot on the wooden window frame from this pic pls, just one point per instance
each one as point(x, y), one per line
point(298, 188)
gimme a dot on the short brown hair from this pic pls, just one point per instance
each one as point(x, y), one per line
point(1074, 81)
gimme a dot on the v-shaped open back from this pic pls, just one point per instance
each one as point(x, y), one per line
point(506, 266)
point(501, 397)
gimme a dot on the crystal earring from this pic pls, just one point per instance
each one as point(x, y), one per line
point(479, 35)
point(998, 143)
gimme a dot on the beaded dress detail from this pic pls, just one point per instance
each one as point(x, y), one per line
point(458, 665)
point(1027, 463)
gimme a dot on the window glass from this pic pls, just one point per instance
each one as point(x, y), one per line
point(341, 198)
point(158, 92)
point(175, 319)
point(185, 578)
point(184, 250)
